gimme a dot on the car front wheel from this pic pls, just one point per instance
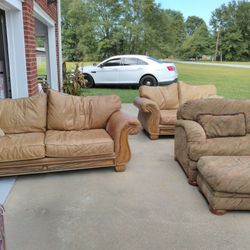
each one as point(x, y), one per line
point(148, 81)
point(89, 81)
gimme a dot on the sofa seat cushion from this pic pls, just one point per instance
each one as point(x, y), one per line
point(223, 146)
point(27, 146)
point(229, 174)
point(168, 117)
point(78, 143)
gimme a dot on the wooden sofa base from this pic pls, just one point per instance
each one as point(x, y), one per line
point(162, 131)
point(46, 165)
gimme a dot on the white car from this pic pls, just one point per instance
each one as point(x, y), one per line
point(130, 70)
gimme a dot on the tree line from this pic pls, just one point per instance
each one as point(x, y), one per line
point(97, 29)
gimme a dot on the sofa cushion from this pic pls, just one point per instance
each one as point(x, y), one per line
point(190, 92)
point(223, 125)
point(168, 117)
point(224, 146)
point(78, 143)
point(226, 173)
point(165, 97)
point(67, 112)
point(191, 110)
point(27, 146)
point(23, 115)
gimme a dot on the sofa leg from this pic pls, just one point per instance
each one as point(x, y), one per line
point(120, 168)
point(217, 211)
point(192, 183)
point(154, 137)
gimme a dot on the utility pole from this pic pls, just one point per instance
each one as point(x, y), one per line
point(217, 43)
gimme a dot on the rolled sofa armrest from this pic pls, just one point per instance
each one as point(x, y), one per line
point(194, 131)
point(146, 105)
point(119, 126)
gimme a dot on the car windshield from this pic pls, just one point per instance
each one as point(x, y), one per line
point(155, 60)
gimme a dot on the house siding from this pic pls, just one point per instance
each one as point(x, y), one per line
point(30, 42)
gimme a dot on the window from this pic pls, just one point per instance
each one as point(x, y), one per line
point(133, 61)
point(112, 62)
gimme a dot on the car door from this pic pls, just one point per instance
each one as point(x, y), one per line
point(108, 72)
point(132, 69)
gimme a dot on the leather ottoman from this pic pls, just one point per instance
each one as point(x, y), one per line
point(225, 182)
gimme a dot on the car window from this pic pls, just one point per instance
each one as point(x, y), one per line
point(155, 60)
point(132, 61)
point(112, 62)
point(141, 62)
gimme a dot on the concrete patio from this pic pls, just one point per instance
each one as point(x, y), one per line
point(149, 206)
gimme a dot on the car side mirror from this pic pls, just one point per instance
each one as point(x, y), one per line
point(101, 65)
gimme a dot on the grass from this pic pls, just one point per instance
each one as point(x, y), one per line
point(230, 82)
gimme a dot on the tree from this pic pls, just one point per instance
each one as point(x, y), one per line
point(197, 44)
point(232, 23)
point(192, 23)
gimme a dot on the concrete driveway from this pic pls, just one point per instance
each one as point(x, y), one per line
point(150, 206)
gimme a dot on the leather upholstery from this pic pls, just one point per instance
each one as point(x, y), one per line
point(158, 105)
point(165, 97)
point(190, 92)
point(191, 110)
point(198, 144)
point(84, 132)
point(24, 146)
point(230, 174)
point(67, 112)
point(78, 143)
point(223, 125)
point(220, 146)
point(24, 114)
point(168, 117)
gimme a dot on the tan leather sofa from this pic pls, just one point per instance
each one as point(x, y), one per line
point(158, 105)
point(211, 127)
point(61, 132)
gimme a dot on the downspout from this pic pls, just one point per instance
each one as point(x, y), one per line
point(60, 43)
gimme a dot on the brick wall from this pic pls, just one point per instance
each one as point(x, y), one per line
point(30, 42)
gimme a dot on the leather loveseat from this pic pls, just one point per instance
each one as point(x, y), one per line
point(211, 127)
point(158, 105)
point(58, 132)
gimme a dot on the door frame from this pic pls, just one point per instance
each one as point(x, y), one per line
point(52, 74)
point(16, 47)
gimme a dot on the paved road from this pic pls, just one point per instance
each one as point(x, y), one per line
point(216, 64)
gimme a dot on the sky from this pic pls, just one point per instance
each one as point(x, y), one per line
point(200, 8)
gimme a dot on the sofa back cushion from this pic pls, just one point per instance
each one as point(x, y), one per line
point(223, 125)
point(67, 112)
point(165, 97)
point(192, 109)
point(24, 114)
point(190, 92)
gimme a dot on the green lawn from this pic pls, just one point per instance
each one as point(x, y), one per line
point(230, 82)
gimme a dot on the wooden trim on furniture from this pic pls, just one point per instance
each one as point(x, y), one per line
point(124, 154)
point(46, 165)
